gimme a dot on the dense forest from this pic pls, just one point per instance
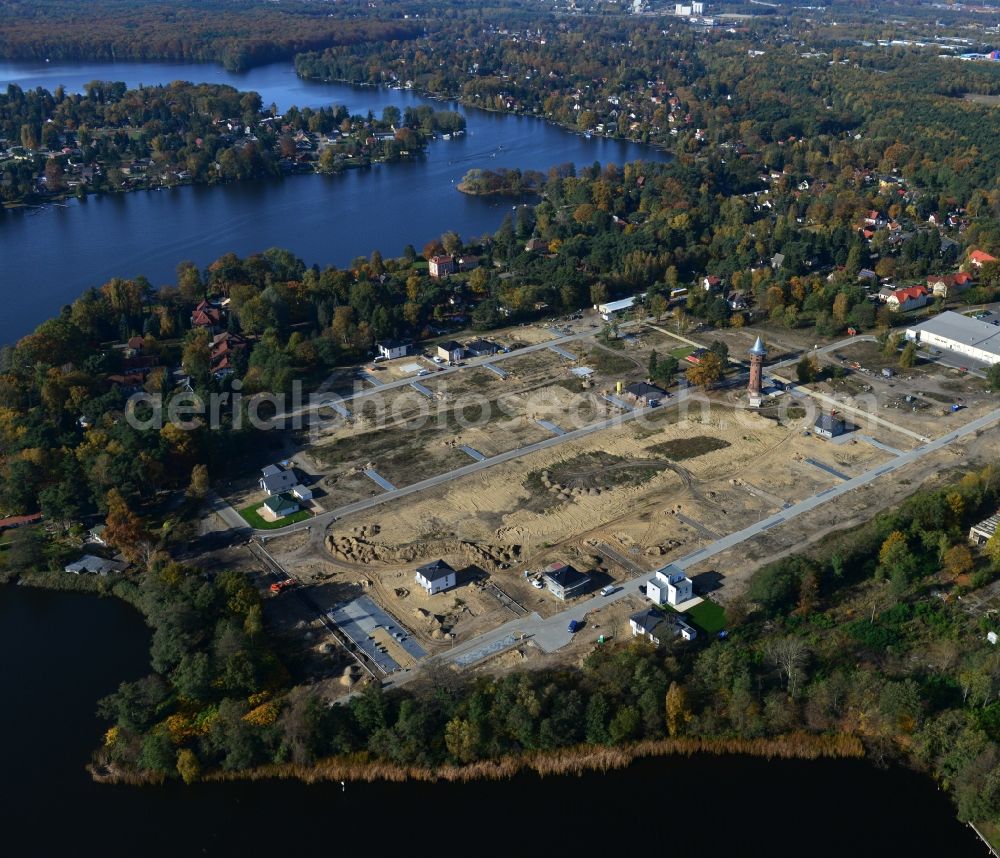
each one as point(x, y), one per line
point(692, 92)
point(188, 31)
point(110, 139)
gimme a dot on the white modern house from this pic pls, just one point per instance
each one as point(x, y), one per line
point(392, 349)
point(435, 577)
point(669, 586)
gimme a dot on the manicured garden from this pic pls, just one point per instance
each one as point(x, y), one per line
point(254, 519)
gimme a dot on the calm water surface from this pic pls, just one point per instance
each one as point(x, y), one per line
point(48, 257)
point(60, 652)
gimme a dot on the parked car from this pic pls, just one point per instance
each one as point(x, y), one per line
point(607, 591)
point(573, 626)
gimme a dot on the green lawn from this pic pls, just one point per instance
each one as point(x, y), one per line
point(708, 616)
point(252, 517)
point(682, 352)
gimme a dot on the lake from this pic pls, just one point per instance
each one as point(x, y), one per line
point(60, 652)
point(49, 256)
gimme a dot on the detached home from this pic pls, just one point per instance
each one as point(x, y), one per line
point(669, 586)
point(274, 480)
point(392, 349)
point(441, 266)
point(907, 299)
point(435, 577)
point(658, 627)
point(450, 351)
point(277, 507)
point(643, 393)
point(565, 582)
point(94, 565)
point(829, 426)
point(946, 285)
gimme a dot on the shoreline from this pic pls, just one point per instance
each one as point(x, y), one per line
point(457, 99)
point(566, 761)
point(61, 199)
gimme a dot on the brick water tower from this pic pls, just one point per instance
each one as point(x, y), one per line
point(757, 355)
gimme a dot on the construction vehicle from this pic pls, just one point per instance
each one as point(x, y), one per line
point(279, 586)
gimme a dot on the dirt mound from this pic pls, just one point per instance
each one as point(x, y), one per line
point(352, 549)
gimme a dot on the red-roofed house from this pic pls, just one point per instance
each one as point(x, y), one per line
point(979, 258)
point(946, 285)
point(224, 350)
point(907, 299)
point(18, 520)
point(441, 266)
point(206, 316)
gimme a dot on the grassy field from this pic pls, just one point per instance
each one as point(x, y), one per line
point(252, 517)
point(708, 616)
point(607, 363)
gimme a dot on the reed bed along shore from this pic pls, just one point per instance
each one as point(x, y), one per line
point(566, 761)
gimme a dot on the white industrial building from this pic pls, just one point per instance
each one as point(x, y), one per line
point(960, 334)
point(612, 308)
point(686, 10)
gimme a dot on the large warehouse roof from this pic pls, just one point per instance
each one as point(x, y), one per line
point(615, 306)
point(961, 329)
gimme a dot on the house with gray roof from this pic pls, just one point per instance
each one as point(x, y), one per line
point(658, 627)
point(93, 565)
point(275, 479)
point(435, 577)
point(565, 582)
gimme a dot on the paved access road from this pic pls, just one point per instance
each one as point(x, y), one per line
point(323, 519)
point(471, 363)
point(552, 633)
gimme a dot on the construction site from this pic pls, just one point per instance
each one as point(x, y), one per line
point(501, 471)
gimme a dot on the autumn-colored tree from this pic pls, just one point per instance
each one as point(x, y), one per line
point(890, 547)
point(188, 765)
point(706, 372)
point(957, 561)
point(956, 505)
point(195, 358)
point(908, 357)
point(198, 487)
point(434, 247)
point(840, 308)
point(461, 737)
point(125, 530)
point(678, 712)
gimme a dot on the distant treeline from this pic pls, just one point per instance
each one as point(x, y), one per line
point(239, 34)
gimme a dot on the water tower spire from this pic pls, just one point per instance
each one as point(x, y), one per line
point(757, 355)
